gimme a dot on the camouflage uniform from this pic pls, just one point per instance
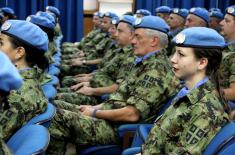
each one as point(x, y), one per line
point(147, 90)
point(189, 125)
point(51, 51)
point(23, 104)
point(227, 67)
point(4, 150)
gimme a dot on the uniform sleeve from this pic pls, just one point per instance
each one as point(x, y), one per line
point(232, 72)
point(150, 91)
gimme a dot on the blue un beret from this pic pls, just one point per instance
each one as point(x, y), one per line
point(181, 12)
point(9, 76)
point(216, 14)
point(199, 37)
point(8, 10)
point(110, 15)
point(53, 10)
point(115, 20)
point(214, 9)
point(231, 10)
point(152, 22)
point(47, 15)
point(41, 21)
point(163, 9)
point(200, 12)
point(26, 32)
point(143, 12)
point(128, 19)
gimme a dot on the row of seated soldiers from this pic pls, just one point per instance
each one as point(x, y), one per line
point(102, 68)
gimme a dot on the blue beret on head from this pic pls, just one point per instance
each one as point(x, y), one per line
point(199, 37)
point(110, 15)
point(47, 15)
point(128, 19)
point(8, 10)
point(214, 9)
point(152, 22)
point(53, 10)
point(200, 12)
point(9, 76)
point(143, 12)
point(41, 21)
point(216, 14)
point(230, 10)
point(163, 9)
point(26, 32)
point(96, 14)
point(181, 12)
point(115, 20)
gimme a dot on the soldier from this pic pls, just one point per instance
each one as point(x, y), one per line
point(215, 18)
point(137, 99)
point(176, 21)
point(8, 13)
point(163, 12)
point(25, 45)
point(196, 114)
point(228, 63)
point(9, 80)
point(197, 17)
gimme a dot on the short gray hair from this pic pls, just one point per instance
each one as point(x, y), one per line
point(162, 36)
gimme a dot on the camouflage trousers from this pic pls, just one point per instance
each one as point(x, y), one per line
point(74, 127)
point(77, 99)
point(68, 81)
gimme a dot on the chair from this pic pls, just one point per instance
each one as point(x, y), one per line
point(101, 150)
point(53, 70)
point(54, 81)
point(49, 91)
point(29, 140)
point(44, 118)
point(223, 141)
point(132, 151)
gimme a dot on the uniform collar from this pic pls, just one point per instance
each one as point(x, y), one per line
point(141, 59)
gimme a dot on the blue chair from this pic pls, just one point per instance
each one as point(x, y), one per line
point(29, 140)
point(141, 135)
point(223, 141)
point(44, 118)
point(132, 151)
point(54, 81)
point(49, 91)
point(53, 70)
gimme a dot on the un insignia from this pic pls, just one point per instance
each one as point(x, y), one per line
point(6, 26)
point(138, 21)
point(176, 10)
point(192, 9)
point(114, 21)
point(230, 10)
point(180, 38)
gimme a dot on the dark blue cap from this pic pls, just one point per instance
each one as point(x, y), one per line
point(152, 22)
point(26, 32)
point(47, 15)
point(8, 10)
point(231, 10)
point(200, 12)
point(41, 21)
point(53, 10)
point(214, 9)
point(216, 14)
point(181, 12)
point(128, 19)
point(10, 78)
point(199, 37)
point(163, 9)
point(143, 12)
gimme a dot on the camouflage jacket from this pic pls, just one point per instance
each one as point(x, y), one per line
point(188, 125)
point(23, 104)
point(227, 67)
point(147, 89)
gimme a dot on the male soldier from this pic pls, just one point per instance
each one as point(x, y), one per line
point(215, 18)
point(197, 17)
point(106, 80)
point(228, 63)
point(176, 22)
point(9, 80)
point(163, 12)
point(137, 99)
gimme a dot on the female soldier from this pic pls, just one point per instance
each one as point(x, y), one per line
point(25, 45)
point(9, 80)
point(196, 113)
